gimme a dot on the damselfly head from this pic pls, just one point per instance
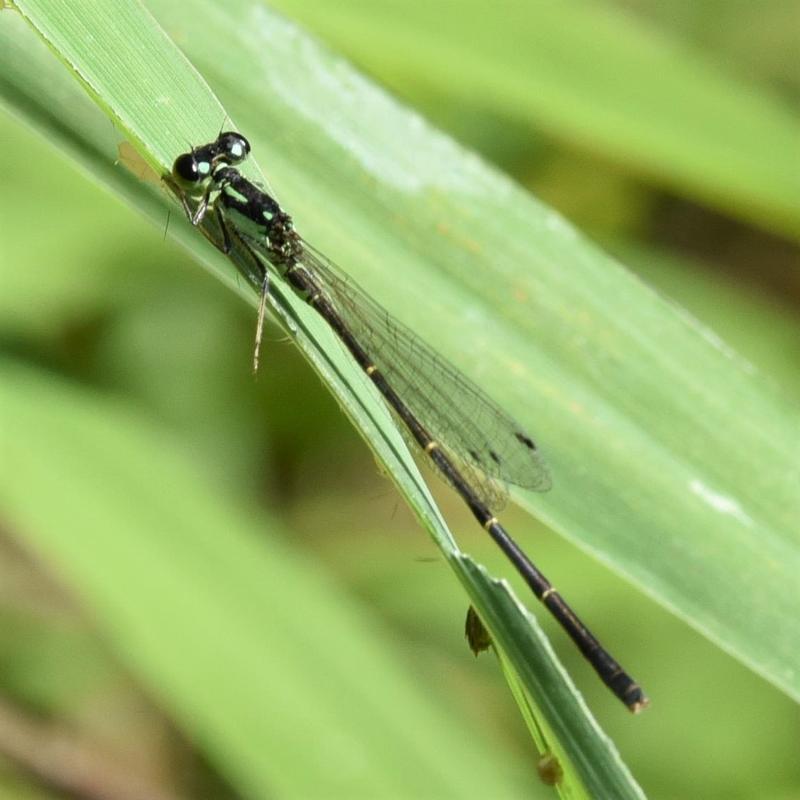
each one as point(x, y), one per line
point(191, 168)
point(199, 164)
point(232, 147)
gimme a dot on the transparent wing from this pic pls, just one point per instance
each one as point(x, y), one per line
point(459, 415)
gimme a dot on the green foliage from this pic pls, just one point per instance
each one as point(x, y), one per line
point(674, 460)
point(592, 75)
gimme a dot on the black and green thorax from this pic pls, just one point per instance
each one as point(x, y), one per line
point(257, 217)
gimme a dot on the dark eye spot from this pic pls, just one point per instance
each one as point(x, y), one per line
point(186, 168)
point(526, 440)
point(475, 457)
point(495, 457)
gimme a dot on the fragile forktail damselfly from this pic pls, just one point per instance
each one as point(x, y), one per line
point(472, 443)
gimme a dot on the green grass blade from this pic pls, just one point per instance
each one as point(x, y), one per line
point(590, 763)
point(594, 76)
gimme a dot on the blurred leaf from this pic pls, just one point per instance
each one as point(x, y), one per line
point(15, 788)
point(757, 39)
point(253, 651)
point(29, 305)
point(590, 75)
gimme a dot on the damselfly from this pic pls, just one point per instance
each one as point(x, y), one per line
point(473, 444)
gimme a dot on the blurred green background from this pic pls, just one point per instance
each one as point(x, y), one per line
point(112, 308)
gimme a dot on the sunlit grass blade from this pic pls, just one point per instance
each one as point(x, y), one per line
point(595, 76)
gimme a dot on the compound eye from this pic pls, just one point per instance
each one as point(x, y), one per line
point(189, 169)
point(234, 146)
point(185, 168)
